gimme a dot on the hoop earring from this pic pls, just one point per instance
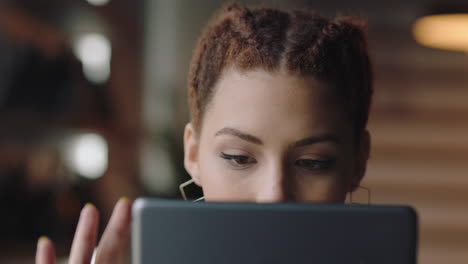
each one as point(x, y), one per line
point(368, 194)
point(182, 191)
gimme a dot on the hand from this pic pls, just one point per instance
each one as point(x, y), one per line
point(111, 248)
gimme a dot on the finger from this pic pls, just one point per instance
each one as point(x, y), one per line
point(115, 238)
point(45, 252)
point(85, 236)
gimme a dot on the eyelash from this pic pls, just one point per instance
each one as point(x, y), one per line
point(238, 160)
point(241, 161)
point(314, 165)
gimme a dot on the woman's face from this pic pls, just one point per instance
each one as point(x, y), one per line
point(273, 137)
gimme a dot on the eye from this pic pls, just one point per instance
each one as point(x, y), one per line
point(238, 160)
point(314, 165)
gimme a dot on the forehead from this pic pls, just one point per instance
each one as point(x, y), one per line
point(262, 102)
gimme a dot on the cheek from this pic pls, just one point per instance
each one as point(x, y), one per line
point(328, 189)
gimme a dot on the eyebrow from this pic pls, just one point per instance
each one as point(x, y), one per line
point(239, 134)
point(303, 142)
point(316, 139)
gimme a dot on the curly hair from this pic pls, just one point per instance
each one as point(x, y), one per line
point(333, 50)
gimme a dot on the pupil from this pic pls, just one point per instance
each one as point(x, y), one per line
point(241, 160)
point(309, 163)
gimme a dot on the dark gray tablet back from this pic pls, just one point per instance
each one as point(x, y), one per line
point(179, 232)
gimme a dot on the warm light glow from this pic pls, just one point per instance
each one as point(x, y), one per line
point(94, 51)
point(87, 155)
point(98, 2)
point(448, 31)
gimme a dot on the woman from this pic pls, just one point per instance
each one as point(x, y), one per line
point(279, 106)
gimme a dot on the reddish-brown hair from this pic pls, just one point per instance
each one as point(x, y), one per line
point(333, 50)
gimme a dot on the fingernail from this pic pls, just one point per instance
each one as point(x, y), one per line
point(42, 238)
point(123, 198)
point(89, 204)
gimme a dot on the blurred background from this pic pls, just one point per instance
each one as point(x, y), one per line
point(93, 104)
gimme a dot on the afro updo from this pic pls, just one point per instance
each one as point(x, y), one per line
point(333, 50)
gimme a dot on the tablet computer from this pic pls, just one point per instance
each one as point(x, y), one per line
point(181, 232)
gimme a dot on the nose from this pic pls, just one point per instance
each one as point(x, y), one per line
point(274, 186)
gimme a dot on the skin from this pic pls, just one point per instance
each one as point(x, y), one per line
point(265, 137)
point(111, 248)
